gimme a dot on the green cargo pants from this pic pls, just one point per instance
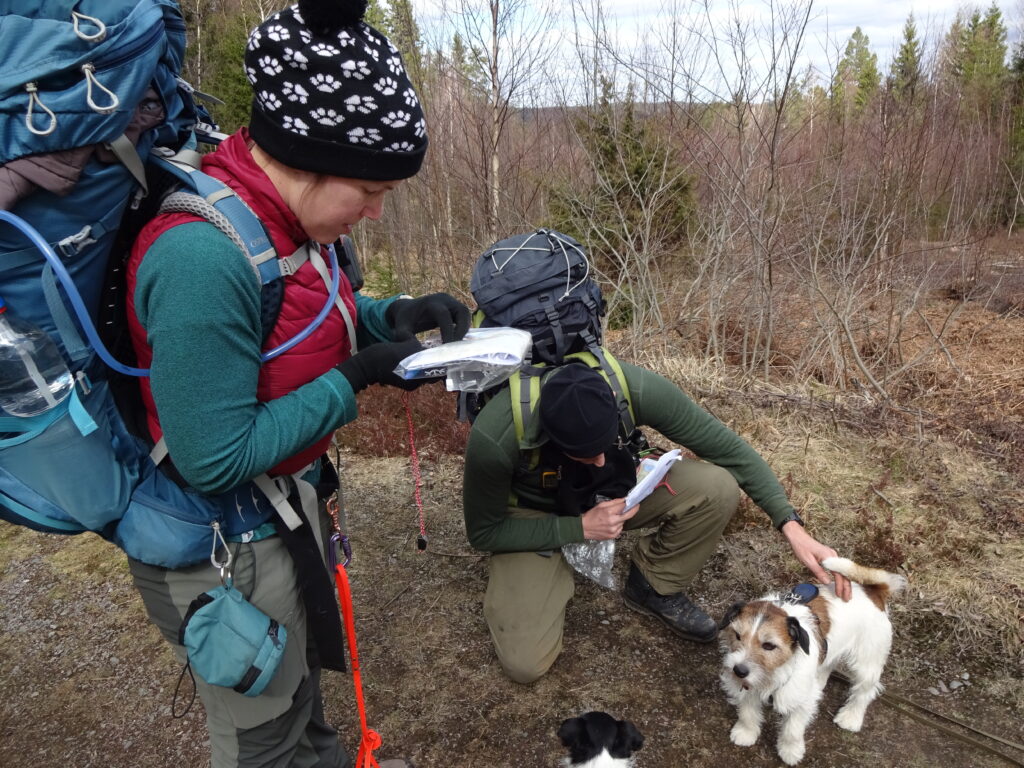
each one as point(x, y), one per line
point(527, 592)
point(283, 727)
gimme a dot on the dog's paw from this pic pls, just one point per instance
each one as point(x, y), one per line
point(791, 752)
point(744, 736)
point(849, 720)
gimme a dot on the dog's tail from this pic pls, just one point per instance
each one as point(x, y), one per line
point(883, 581)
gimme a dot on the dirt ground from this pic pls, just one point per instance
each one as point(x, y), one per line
point(86, 681)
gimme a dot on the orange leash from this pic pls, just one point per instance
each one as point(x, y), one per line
point(371, 739)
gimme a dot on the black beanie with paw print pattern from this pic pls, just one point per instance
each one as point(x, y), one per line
point(331, 94)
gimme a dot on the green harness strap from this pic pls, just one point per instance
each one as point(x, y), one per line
point(525, 386)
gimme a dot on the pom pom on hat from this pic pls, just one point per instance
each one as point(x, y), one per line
point(326, 16)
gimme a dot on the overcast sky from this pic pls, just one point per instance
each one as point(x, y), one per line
point(636, 24)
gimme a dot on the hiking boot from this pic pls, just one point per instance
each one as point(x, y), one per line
point(676, 610)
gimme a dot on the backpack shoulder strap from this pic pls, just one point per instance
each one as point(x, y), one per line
point(604, 361)
point(211, 199)
point(524, 391)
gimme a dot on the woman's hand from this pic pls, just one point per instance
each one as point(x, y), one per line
point(376, 364)
point(407, 317)
point(605, 520)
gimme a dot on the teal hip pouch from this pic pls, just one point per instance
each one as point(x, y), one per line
point(231, 642)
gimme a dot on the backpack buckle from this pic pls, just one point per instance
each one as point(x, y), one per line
point(72, 245)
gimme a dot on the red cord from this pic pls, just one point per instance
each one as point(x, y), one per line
point(421, 543)
point(371, 739)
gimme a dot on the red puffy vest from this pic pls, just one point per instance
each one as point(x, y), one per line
point(304, 293)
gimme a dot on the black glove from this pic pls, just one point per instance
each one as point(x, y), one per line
point(376, 365)
point(407, 317)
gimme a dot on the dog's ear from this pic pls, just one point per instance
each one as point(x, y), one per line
point(798, 634)
point(570, 730)
point(628, 740)
point(730, 614)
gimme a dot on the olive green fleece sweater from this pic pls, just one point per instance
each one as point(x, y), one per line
point(493, 455)
point(196, 298)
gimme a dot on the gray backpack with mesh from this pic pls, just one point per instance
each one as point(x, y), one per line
point(540, 282)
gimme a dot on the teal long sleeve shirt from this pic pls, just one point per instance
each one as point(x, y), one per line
point(196, 297)
point(493, 455)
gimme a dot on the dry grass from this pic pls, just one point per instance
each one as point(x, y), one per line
point(947, 517)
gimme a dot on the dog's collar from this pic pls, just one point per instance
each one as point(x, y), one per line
point(801, 594)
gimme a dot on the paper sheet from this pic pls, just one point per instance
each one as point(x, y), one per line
point(650, 481)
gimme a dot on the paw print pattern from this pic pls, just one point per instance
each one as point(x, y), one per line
point(325, 50)
point(386, 86)
point(327, 117)
point(400, 146)
point(297, 59)
point(270, 65)
point(278, 33)
point(420, 129)
point(255, 37)
point(357, 70)
point(396, 119)
point(295, 92)
point(345, 39)
point(372, 52)
point(360, 135)
point(250, 72)
point(410, 97)
point(395, 64)
point(364, 104)
point(296, 125)
point(305, 35)
point(269, 100)
point(325, 83)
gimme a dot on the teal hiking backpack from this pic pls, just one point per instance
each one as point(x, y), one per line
point(93, 115)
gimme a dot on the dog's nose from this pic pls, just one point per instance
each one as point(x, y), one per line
point(741, 670)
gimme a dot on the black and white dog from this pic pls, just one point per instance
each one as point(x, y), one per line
point(598, 740)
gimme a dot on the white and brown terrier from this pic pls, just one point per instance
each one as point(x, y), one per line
point(780, 650)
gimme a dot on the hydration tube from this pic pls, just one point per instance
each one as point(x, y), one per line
point(90, 330)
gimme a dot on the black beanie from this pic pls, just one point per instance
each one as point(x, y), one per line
point(331, 95)
point(578, 411)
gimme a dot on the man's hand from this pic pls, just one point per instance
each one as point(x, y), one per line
point(811, 552)
point(605, 520)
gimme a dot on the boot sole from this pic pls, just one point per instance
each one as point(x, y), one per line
point(675, 630)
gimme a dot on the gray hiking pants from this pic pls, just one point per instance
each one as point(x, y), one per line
point(284, 726)
point(527, 592)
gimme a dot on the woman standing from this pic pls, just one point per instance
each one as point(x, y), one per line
point(336, 125)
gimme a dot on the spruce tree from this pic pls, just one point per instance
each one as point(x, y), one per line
point(857, 79)
point(905, 73)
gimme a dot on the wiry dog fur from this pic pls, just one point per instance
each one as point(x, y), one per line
point(782, 652)
point(598, 740)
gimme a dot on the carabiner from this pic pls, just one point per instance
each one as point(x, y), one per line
point(225, 566)
point(339, 540)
